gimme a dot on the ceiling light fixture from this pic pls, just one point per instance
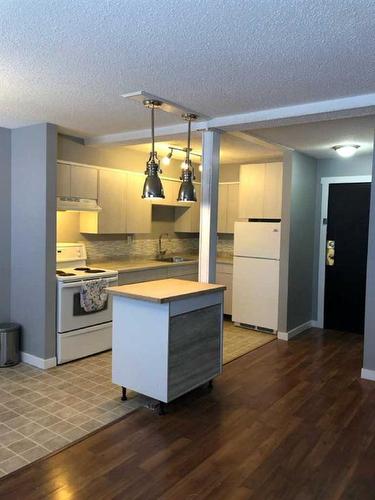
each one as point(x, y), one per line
point(187, 189)
point(152, 187)
point(346, 150)
point(167, 159)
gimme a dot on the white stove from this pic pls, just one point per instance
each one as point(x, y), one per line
point(71, 274)
point(80, 333)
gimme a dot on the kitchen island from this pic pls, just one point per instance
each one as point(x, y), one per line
point(167, 336)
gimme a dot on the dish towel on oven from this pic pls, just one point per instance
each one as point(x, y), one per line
point(93, 295)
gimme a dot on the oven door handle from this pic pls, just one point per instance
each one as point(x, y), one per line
point(74, 284)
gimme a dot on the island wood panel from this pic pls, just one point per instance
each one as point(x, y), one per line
point(194, 349)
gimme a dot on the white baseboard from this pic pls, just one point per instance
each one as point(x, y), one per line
point(368, 374)
point(296, 331)
point(315, 324)
point(44, 364)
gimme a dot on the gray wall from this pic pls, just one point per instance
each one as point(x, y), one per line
point(297, 240)
point(5, 224)
point(335, 167)
point(302, 234)
point(369, 340)
point(33, 288)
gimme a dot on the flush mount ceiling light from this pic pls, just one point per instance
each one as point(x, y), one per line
point(346, 150)
point(187, 189)
point(152, 187)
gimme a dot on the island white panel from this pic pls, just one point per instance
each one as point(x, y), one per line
point(140, 346)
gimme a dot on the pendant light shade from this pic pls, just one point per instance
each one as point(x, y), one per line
point(187, 189)
point(153, 187)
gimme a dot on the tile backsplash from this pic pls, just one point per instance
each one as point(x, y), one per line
point(145, 248)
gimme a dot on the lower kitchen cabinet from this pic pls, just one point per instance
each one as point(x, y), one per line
point(224, 276)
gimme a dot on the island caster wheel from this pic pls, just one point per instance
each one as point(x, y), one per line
point(161, 408)
point(124, 397)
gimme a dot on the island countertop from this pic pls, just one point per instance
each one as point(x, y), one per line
point(165, 290)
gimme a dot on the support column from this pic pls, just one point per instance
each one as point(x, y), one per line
point(368, 370)
point(209, 206)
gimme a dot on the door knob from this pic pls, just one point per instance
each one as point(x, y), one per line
point(330, 253)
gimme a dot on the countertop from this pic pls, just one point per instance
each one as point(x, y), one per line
point(123, 265)
point(166, 290)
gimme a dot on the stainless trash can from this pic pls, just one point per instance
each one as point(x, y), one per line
point(9, 344)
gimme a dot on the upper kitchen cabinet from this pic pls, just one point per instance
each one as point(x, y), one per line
point(63, 180)
point(84, 182)
point(171, 188)
point(139, 210)
point(187, 216)
point(112, 200)
point(260, 191)
point(228, 207)
point(76, 181)
point(273, 190)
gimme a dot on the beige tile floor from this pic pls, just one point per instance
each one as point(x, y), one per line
point(44, 410)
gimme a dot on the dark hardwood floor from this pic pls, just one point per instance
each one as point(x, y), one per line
point(287, 421)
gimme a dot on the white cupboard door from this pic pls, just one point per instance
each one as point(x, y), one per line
point(222, 208)
point(63, 180)
point(232, 207)
point(84, 182)
point(273, 184)
point(226, 279)
point(256, 292)
point(138, 209)
point(252, 179)
point(112, 193)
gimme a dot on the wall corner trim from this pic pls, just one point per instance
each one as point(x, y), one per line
point(296, 331)
point(44, 364)
point(368, 374)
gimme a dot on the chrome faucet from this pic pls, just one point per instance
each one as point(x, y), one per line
point(161, 252)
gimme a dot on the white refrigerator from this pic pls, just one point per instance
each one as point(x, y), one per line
point(256, 274)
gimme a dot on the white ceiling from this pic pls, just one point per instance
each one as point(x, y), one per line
point(232, 149)
point(317, 139)
point(68, 61)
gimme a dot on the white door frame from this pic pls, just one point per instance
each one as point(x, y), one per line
point(326, 181)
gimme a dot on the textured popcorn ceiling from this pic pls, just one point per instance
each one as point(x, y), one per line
point(68, 61)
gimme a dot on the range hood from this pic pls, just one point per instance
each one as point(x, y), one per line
point(77, 205)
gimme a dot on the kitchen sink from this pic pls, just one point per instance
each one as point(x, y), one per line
point(174, 259)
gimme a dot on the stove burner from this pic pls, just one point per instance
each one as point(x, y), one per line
point(93, 271)
point(63, 273)
point(82, 269)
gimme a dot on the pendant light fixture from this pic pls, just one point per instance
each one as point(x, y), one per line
point(153, 187)
point(187, 189)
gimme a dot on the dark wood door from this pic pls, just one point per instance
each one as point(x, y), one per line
point(345, 276)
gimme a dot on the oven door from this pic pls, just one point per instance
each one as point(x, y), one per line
point(70, 316)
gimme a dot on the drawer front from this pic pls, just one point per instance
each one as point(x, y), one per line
point(140, 276)
point(224, 268)
point(186, 269)
point(194, 349)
